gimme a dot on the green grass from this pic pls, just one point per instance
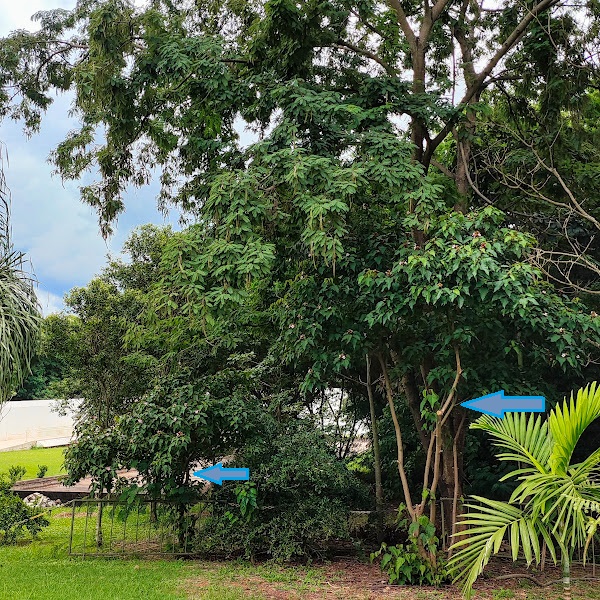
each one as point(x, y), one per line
point(31, 459)
point(41, 570)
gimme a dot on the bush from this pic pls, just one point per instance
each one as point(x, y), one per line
point(300, 503)
point(14, 474)
point(406, 565)
point(15, 515)
point(42, 470)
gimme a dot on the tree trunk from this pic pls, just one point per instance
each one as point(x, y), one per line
point(376, 455)
point(413, 400)
point(457, 470)
point(399, 443)
point(99, 539)
point(453, 443)
point(566, 570)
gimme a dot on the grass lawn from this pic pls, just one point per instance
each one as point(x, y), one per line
point(42, 570)
point(31, 459)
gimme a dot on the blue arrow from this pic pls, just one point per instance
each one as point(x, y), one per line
point(497, 404)
point(218, 474)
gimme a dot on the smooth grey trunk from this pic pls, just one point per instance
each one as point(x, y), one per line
point(566, 570)
point(376, 455)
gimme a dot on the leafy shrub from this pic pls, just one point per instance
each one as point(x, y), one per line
point(42, 470)
point(296, 504)
point(406, 565)
point(15, 515)
point(14, 474)
point(178, 423)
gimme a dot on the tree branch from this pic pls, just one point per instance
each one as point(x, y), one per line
point(400, 446)
point(404, 24)
point(364, 52)
point(480, 79)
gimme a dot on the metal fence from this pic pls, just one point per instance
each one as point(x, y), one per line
point(108, 527)
point(111, 527)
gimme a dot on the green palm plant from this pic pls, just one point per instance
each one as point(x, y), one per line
point(19, 310)
point(555, 502)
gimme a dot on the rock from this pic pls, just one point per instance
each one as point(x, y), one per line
point(40, 501)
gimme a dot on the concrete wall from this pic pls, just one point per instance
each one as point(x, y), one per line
point(32, 421)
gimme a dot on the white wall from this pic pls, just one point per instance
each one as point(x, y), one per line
point(32, 421)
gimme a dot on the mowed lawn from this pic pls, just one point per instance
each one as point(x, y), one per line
point(32, 459)
point(42, 570)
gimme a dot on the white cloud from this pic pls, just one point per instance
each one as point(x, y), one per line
point(51, 303)
point(17, 15)
point(59, 234)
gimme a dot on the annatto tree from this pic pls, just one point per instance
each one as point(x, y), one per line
point(356, 204)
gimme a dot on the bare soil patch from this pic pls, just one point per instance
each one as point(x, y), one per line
point(351, 579)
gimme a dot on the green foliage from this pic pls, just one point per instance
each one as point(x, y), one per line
point(406, 564)
point(15, 516)
point(19, 309)
point(296, 505)
point(42, 470)
point(246, 497)
point(83, 354)
point(183, 420)
point(51, 375)
point(331, 237)
point(94, 342)
point(15, 473)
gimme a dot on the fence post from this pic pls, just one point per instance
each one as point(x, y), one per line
point(72, 527)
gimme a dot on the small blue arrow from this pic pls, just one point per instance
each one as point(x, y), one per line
point(497, 404)
point(218, 474)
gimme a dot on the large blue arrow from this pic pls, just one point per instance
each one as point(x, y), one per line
point(497, 404)
point(218, 474)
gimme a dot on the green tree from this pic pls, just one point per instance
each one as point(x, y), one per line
point(99, 371)
point(139, 266)
point(91, 342)
point(556, 500)
point(49, 376)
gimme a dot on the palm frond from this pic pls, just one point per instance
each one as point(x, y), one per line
point(19, 324)
point(592, 527)
point(525, 436)
point(586, 470)
point(20, 317)
point(488, 524)
point(567, 424)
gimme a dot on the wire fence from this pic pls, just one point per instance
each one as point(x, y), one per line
point(112, 527)
point(109, 527)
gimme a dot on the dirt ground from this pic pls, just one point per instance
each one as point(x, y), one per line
point(350, 579)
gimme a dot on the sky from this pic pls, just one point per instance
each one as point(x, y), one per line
point(59, 234)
